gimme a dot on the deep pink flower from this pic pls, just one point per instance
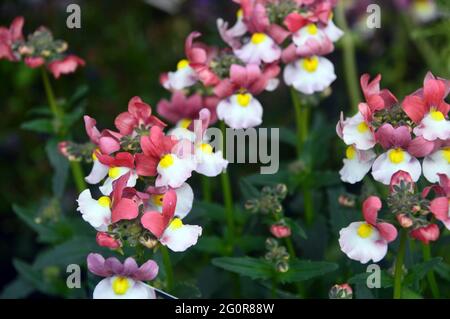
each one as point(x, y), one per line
point(426, 234)
point(139, 114)
point(181, 106)
point(65, 66)
point(107, 141)
point(280, 231)
point(8, 36)
point(153, 147)
point(124, 204)
point(439, 206)
point(376, 99)
point(34, 62)
point(157, 222)
point(200, 56)
point(370, 208)
point(105, 240)
point(390, 137)
point(432, 96)
point(249, 77)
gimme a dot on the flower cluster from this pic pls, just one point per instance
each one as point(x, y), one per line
point(267, 33)
point(386, 136)
point(379, 138)
point(37, 49)
point(145, 196)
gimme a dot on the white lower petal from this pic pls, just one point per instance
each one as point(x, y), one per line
point(185, 199)
point(209, 164)
point(309, 82)
point(175, 174)
point(96, 215)
point(267, 51)
point(98, 172)
point(240, 117)
point(362, 249)
point(332, 31)
point(383, 168)
point(355, 169)
point(432, 129)
point(182, 133)
point(107, 186)
point(357, 132)
point(136, 290)
point(182, 78)
point(181, 238)
point(436, 163)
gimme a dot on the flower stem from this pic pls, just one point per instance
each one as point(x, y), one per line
point(426, 250)
point(58, 114)
point(206, 189)
point(290, 246)
point(349, 58)
point(227, 195)
point(302, 117)
point(167, 267)
point(398, 274)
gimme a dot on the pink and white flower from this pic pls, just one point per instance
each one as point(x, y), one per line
point(169, 228)
point(8, 36)
point(185, 199)
point(68, 64)
point(183, 77)
point(428, 109)
point(260, 48)
point(118, 165)
point(356, 164)
point(437, 163)
point(440, 205)
point(357, 131)
point(122, 281)
point(396, 141)
point(367, 240)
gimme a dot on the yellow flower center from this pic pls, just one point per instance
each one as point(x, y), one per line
point(350, 153)
point(365, 230)
point(114, 172)
point(158, 199)
point(310, 64)
point(184, 123)
point(167, 161)
point(437, 115)
point(239, 13)
point(120, 285)
point(397, 156)
point(182, 64)
point(244, 99)
point(206, 148)
point(104, 201)
point(311, 29)
point(362, 127)
point(176, 223)
point(258, 38)
point(446, 154)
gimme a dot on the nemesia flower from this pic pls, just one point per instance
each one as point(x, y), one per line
point(427, 108)
point(310, 74)
point(119, 165)
point(260, 48)
point(367, 240)
point(122, 281)
point(396, 141)
point(357, 131)
point(67, 65)
point(8, 37)
point(440, 206)
point(312, 40)
point(240, 109)
point(185, 199)
point(426, 234)
point(169, 228)
point(356, 164)
point(183, 77)
point(332, 31)
point(436, 164)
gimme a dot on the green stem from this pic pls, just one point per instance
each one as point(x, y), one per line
point(227, 195)
point(349, 58)
point(426, 250)
point(58, 114)
point(206, 189)
point(302, 117)
point(290, 246)
point(398, 273)
point(167, 267)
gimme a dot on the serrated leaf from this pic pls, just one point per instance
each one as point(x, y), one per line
point(39, 126)
point(254, 268)
point(300, 270)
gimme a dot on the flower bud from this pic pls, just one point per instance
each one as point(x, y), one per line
point(426, 233)
point(280, 231)
point(282, 266)
point(148, 242)
point(401, 180)
point(404, 220)
point(343, 291)
point(346, 201)
point(105, 240)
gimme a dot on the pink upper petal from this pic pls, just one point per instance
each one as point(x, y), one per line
point(91, 130)
point(96, 265)
point(439, 207)
point(434, 91)
point(420, 147)
point(124, 209)
point(67, 65)
point(370, 208)
point(387, 231)
point(148, 271)
point(389, 137)
point(414, 106)
point(16, 28)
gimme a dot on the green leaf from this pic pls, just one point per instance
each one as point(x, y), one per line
point(39, 126)
point(249, 243)
point(210, 211)
point(300, 270)
point(74, 116)
point(212, 245)
point(296, 228)
point(410, 294)
point(361, 279)
point(254, 268)
point(443, 269)
point(17, 289)
point(417, 272)
point(73, 251)
point(248, 190)
point(60, 166)
point(32, 277)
